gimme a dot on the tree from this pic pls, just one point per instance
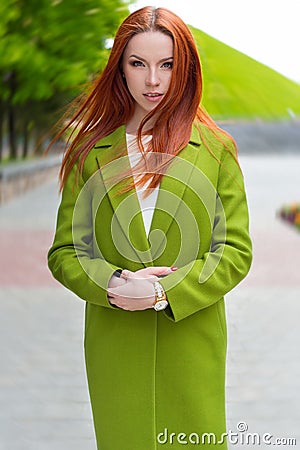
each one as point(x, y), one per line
point(47, 49)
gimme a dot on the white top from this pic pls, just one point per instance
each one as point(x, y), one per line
point(147, 204)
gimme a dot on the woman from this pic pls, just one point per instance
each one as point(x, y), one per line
point(152, 231)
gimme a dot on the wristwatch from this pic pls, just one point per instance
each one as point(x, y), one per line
point(161, 301)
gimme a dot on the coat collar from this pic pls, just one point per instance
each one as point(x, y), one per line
point(112, 159)
point(118, 135)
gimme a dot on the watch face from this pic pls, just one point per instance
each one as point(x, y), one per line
point(162, 304)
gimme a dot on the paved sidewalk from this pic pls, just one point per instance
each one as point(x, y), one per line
point(263, 382)
point(43, 392)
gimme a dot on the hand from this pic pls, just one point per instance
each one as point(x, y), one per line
point(136, 291)
point(116, 281)
point(136, 294)
point(149, 272)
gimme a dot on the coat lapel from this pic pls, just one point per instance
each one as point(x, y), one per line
point(171, 192)
point(112, 160)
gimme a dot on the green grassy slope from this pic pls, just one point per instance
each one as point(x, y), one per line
point(237, 86)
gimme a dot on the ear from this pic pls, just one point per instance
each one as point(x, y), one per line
point(121, 70)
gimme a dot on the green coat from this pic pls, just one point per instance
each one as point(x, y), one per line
point(151, 374)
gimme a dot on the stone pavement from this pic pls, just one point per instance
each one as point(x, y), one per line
point(263, 381)
point(43, 392)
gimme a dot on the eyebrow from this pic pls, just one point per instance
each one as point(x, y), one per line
point(142, 59)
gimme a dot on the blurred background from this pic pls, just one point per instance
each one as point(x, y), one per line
point(49, 49)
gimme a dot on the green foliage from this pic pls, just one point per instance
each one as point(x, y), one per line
point(48, 48)
point(237, 86)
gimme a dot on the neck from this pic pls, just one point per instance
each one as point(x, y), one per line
point(133, 124)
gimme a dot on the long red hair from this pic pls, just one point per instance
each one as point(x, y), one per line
point(108, 104)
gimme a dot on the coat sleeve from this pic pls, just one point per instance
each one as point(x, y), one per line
point(205, 281)
point(70, 257)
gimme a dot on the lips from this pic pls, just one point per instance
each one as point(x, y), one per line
point(153, 96)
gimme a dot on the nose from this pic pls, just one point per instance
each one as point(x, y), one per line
point(152, 78)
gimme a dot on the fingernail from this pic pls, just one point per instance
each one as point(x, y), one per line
point(174, 268)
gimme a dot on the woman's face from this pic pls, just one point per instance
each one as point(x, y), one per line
point(147, 67)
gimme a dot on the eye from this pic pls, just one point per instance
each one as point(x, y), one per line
point(167, 65)
point(136, 63)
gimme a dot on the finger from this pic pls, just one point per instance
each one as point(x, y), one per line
point(162, 270)
point(169, 270)
point(111, 293)
point(140, 277)
point(112, 301)
point(126, 274)
point(158, 270)
point(133, 304)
